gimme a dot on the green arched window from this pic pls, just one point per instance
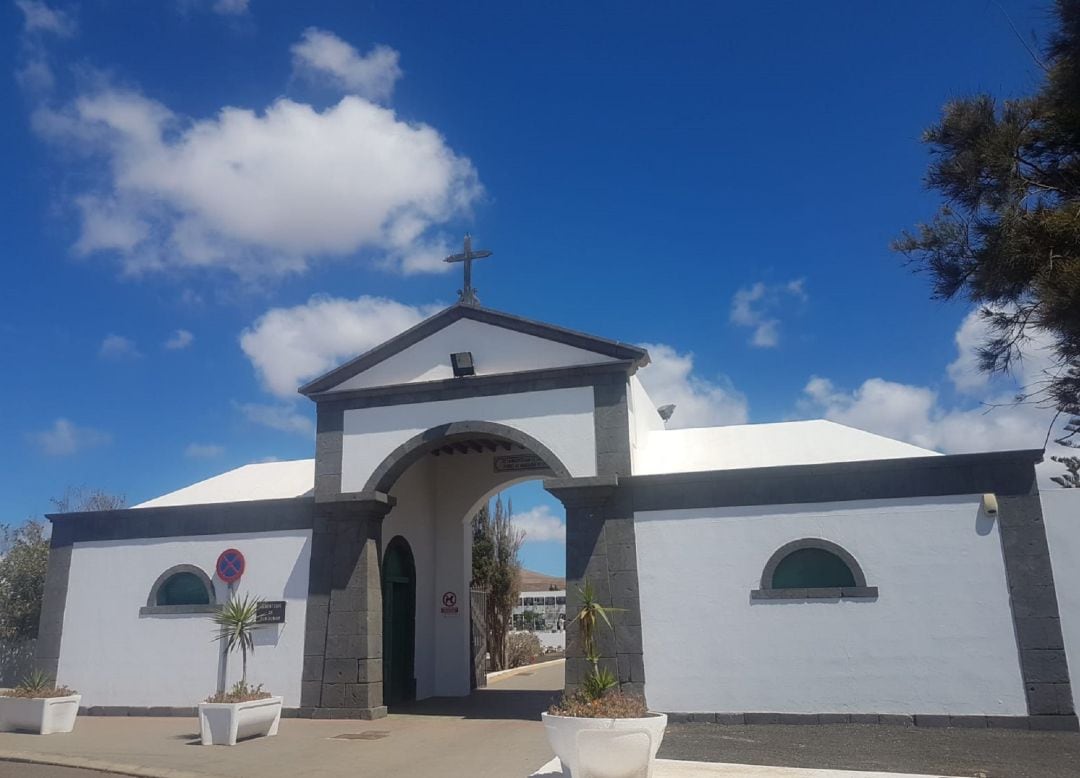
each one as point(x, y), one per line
point(179, 589)
point(183, 589)
point(812, 568)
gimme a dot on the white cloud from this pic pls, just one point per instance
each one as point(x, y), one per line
point(117, 347)
point(40, 18)
point(322, 55)
point(1038, 362)
point(284, 418)
point(699, 402)
point(203, 450)
point(288, 346)
point(258, 193)
point(988, 421)
point(33, 72)
point(180, 339)
point(230, 7)
point(540, 525)
point(65, 438)
point(756, 307)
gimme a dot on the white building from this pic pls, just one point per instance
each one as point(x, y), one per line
point(793, 571)
point(541, 611)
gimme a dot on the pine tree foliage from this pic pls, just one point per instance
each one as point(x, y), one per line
point(497, 568)
point(1008, 234)
point(1070, 479)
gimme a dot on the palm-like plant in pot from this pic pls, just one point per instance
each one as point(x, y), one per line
point(38, 705)
point(243, 711)
point(599, 726)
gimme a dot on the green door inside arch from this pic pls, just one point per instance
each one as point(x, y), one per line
point(399, 622)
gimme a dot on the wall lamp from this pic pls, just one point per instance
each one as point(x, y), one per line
point(462, 362)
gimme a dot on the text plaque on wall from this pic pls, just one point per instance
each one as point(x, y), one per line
point(270, 612)
point(508, 463)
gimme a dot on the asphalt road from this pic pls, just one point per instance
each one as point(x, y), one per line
point(986, 753)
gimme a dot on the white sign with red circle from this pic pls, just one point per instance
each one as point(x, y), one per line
point(449, 603)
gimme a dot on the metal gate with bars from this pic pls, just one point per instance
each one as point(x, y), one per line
point(478, 652)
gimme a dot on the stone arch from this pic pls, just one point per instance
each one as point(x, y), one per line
point(400, 459)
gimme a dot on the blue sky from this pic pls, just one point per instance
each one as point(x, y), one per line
point(208, 201)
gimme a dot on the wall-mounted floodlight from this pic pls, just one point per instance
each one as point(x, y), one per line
point(989, 504)
point(665, 411)
point(463, 364)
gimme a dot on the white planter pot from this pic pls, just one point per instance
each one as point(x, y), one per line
point(42, 715)
point(623, 747)
point(223, 723)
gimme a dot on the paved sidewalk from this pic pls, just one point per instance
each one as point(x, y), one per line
point(495, 733)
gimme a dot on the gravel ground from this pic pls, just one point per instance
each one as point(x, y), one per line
point(948, 752)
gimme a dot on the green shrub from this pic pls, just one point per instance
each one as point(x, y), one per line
point(39, 685)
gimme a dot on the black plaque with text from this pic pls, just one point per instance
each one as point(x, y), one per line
point(270, 612)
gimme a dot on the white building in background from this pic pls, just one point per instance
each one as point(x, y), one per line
point(801, 571)
point(541, 611)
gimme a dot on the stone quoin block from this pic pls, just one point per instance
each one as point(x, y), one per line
point(337, 671)
point(333, 695)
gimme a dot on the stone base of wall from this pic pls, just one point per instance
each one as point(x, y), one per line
point(1040, 723)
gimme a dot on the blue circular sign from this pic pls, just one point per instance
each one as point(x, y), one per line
point(230, 565)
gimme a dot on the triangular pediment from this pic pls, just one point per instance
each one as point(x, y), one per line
point(499, 342)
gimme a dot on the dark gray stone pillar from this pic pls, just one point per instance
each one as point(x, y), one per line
point(600, 548)
point(342, 675)
point(53, 602)
point(1033, 599)
point(329, 438)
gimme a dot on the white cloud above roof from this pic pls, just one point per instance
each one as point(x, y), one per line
point(260, 192)
point(321, 55)
point(287, 346)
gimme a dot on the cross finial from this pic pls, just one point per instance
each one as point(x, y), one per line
point(467, 295)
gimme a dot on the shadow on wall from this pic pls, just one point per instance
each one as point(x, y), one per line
point(16, 661)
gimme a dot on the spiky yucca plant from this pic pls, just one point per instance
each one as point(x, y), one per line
point(235, 627)
point(588, 617)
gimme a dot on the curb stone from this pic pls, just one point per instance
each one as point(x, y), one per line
point(499, 675)
point(111, 768)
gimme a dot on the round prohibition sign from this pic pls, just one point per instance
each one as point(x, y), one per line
point(449, 600)
point(230, 565)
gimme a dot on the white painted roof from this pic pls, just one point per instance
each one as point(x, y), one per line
point(764, 445)
point(665, 451)
point(263, 481)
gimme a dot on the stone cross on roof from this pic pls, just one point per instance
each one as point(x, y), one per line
point(467, 294)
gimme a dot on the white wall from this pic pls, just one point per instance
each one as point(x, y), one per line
point(643, 418)
point(1061, 515)
point(939, 639)
point(494, 350)
point(561, 419)
point(115, 657)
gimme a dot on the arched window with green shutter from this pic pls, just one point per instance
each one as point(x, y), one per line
point(180, 589)
point(812, 569)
